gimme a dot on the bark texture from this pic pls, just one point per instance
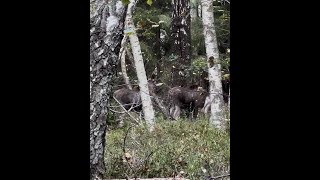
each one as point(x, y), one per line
point(214, 67)
point(106, 26)
point(181, 36)
point(122, 57)
point(141, 72)
point(194, 9)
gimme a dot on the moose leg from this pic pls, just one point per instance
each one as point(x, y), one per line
point(192, 112)
point(188, 112)
point(176, 113)
point(120, 121)
point(171, 111)
point(207, 106)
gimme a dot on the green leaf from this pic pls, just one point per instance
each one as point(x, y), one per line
point(125, 2)
point(149, 2)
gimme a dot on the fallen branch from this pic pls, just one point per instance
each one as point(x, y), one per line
point(112, 110)
point(217, 177)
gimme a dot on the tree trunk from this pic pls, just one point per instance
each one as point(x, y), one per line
point(214, 67)
point(194, 9)
point(181, 36)
point(141, 73)
point(123, 62)
point(106, 25)
point(130, 57)
point(159, 58)
point(199, 11)
point(229, 99)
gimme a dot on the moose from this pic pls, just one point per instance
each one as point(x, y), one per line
point(130, 99)
point(189, 99)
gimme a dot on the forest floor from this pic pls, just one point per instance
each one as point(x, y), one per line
point(183, 148)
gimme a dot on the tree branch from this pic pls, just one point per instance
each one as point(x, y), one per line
point(135, 120)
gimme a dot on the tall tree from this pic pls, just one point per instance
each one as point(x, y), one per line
point(141, 72)
point(181, 37)
point(106, 26)
point(214, 67)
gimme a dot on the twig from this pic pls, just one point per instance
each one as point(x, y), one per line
point(161, 106)
point(124, 151)
point(217, 177)
point(126, 111)
point(127, 104)
point(124, 140)
point(116, 111)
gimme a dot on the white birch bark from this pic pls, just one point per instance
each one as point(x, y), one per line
point(214, 67)
point(122, 56)
point(193, 9)
point(199, 11)
point(106, 26)
point(141, 73)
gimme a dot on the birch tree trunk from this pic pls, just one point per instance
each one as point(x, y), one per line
point(181, 36)
point(199, 11)
point(141, 72)
point(214, 67)
point(193, 9)
point(122, 57)
point(106, 25)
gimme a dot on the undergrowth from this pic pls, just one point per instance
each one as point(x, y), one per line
point(194, 150)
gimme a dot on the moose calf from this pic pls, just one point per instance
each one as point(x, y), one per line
point(131, 98)
point(189, 99)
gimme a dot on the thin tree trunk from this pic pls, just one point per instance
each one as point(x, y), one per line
point(229, 99)
point(106, 25)
point(199, 11)
point(194, 9)
point(159, 58)
point(214, 67)
point(123, 62)
point(141, 73)
point(181, 37)
point(130, 57)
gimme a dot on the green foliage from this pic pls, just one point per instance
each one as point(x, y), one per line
point(222, 23)
point(125, 2)
point(144, 21)
point(225, 64)
point(197, 38)
point(148, 20)
point(172, 147)
point(198, 66)
point(149, 57)
point(166, 21)
point(149, 2)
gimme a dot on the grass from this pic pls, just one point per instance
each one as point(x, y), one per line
point(194, 149)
